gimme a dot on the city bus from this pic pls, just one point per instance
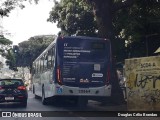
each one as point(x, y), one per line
point(74, 67)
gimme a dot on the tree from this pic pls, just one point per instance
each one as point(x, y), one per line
point(13, 57)
point(128, 17)
point(5, 51)
point(26, 52)
point(7, 5)
point(4, 41)
point(139, 25)
point(128, 22)
point(4, 45)
point(66, 14)
point(74, 17)
point(29, 50)
point(11, 60)
point(104, 11)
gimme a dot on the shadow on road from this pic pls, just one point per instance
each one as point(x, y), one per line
point(92, 105)
point(10, 105)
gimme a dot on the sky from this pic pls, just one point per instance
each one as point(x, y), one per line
point(29, 22)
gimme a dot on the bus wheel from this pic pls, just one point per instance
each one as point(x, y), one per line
point(44, 100)
point(33, 90)
point(35, 96)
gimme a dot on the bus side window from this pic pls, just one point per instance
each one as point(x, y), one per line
point(36, 67)
point(54, 50)
point(45, 61)
point(53, 55)
point(33, 70)
point(50, 58)
point(49, 62)
point(41, 64)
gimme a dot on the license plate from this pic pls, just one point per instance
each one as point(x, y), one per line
point(9, 98)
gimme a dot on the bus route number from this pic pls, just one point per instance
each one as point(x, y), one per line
point(84, 91)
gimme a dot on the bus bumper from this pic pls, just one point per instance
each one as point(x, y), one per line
point(76, 91)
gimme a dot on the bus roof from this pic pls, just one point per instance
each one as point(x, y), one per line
point(84, 37)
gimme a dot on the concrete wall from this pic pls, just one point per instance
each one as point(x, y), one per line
point(143, 83)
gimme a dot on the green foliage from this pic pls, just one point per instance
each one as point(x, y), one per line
point(29, 50)
point(24, 54)
point(6, 52)
point(7, 5)
point(131, 22)
point(11, 60)
point(4, 41)
point(74, 17)
point(140, 20)
point(138, 25)
point(4, 45)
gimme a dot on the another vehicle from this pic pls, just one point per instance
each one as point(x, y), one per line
point(13, 90)
point(73, 67)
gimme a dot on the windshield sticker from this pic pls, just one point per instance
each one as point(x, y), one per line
point(97, 75)
point(97, 67)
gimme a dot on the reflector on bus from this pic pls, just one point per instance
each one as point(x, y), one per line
point(59, 75)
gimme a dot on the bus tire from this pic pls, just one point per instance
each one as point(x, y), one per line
point(33, 90)
point(35, 96)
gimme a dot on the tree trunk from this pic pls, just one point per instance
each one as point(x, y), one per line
point(103, 13)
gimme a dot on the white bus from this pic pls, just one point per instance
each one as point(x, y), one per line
point(73, 68)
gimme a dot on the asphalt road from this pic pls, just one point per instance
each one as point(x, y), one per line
point(65, 111)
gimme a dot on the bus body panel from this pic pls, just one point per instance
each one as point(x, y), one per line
point(77, 91)
point(81, 64)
